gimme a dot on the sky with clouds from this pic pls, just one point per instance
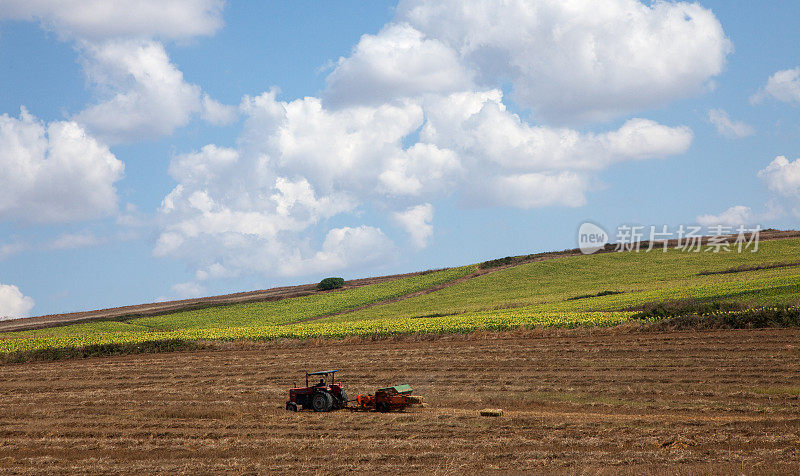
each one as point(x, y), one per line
point(176, 148)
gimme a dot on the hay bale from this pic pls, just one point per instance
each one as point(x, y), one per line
point(492, 412)
point(414, 399)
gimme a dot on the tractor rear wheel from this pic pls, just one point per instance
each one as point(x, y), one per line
point(322, 402)
point(342, 398)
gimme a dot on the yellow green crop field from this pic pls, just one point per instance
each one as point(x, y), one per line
point(640, 277)
point(261, 314)
point(558, 292)
point(497, 320)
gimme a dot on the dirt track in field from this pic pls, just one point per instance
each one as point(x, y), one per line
point(608, 401)
point(478, 272)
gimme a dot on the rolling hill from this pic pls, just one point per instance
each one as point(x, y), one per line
point(564, 289)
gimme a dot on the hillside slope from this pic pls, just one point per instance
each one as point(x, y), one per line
point(167, 307)
point(565, 289)
point(638, 278)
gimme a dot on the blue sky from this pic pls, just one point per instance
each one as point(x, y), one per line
point(166, 149)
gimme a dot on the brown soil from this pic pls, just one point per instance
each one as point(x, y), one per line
point(578, 401)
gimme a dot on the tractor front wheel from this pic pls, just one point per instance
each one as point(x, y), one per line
point(291, 406)
point(321, 402)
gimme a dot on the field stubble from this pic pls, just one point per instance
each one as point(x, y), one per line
point(597, 400)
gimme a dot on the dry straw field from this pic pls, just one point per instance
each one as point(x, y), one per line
point(579, 401)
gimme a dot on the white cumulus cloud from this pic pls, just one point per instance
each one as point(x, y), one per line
point(782, 176)
point(143, 94)
point(14, 304)
point(783, 86)
point(332, 149)
point(343, 248)
point(734, 216)
point(103, 19)
point(727, 127)
point(397, 62)
point(422, 169)
point(216, 113)
point(416, 221)
point(263, 206)
point(55, 172)
point(232, 213)
point(479, 125)
point(188, 290)
point(582, 60)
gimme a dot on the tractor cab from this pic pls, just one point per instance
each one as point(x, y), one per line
point(322, 395)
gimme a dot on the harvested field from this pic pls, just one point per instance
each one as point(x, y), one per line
point(595, 400)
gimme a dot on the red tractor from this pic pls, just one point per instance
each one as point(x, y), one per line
point(323, 396)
